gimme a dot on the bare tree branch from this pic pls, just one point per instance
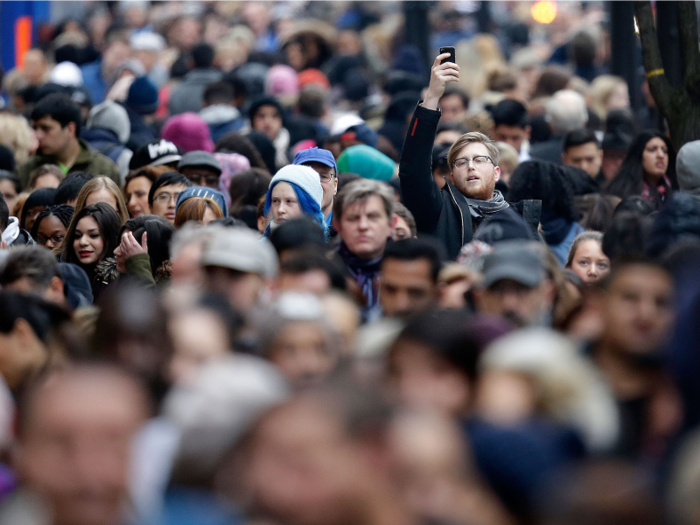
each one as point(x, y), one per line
point(688, 29)
point(654, 66)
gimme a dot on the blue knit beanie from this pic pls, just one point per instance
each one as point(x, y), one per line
point(142, 97)
point(203, 193)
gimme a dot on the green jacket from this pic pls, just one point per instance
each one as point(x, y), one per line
point(140, 266)
point(89, 161)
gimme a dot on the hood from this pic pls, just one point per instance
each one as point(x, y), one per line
point(11, 232)
point(219, 114)
point(110, 115)
point(99, 135)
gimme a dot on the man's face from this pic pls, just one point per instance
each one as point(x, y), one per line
point(115, 54)
point(514, 301)
point(202, 176)
point(53, 139)
point(513, 135)
point(242, 289)
point(407, 287)
point(637, 309)
point(587, 157)
point(452, 108)
point(475, 182)
point(365, 227)
point(329, 182)
point(75, 451)
point(34, 67)
point(268, 121)
point(612, 160)
point(165, 199)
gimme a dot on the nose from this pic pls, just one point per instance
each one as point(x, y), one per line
point(83, 240)
point(50, 244)
point(593, 270)
point(362, 223)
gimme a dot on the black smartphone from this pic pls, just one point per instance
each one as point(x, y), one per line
point(451, 51)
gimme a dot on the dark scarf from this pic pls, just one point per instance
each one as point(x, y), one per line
point(554, 228)
point(365, 273)
point(482, 209)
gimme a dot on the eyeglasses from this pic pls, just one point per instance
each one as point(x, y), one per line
point(165, 198)
point(204, 180)
point(326, 177)
point(479, 160)
point(55, 239)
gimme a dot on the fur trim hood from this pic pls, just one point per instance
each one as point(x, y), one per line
point(106, 270)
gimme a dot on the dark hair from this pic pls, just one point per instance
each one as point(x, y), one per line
point(202, 55)
point(403, 212)
point(307, 260)
point(579, 137)
point(4, 213)
point(69, 188)
point(108, 222)
point(452, 126)
point(509, 112)
point(447, 335)
point(629, 180)
point(149, 172)
point(635, 204)
point(64, 212)
point(36, 263)
point(6, 175)
point(218, 93)
point(412, 249)
point(628, 236)
point(553, 79)
point(312, 101)
point(43, 197)
point(41, 315)
point(582, 48)
point(59, 107)
point(599, 213)
point(248, 186)
point(159, 231)
point(455, 90)
point(7, 158)
point(169, 178)
point(536, 179)
point(234, 142)
point(624, 261)
point(297, 233)
point(266, 149)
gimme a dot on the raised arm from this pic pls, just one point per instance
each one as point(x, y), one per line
point(420, 192)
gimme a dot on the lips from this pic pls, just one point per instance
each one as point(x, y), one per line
point(472, 178)
point(84, 253)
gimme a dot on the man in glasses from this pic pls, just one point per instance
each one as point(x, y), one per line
point(322, 161)
point(469, 196)
point(164, 192)
point(201, 168)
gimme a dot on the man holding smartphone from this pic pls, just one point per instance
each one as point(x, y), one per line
point(452, 213)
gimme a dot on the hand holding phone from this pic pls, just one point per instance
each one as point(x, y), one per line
point(451, 51)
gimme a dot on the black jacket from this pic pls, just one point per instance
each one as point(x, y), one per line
point(441, 213)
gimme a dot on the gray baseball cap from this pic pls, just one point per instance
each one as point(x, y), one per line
point(520, 261)
point(241, 249)
point(199, 158)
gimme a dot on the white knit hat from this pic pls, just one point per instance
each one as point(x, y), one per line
point(67, 74)
point(304, 177)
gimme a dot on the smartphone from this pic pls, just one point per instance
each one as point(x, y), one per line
point(451, 51)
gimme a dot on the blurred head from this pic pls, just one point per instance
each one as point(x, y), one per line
point(47, 176)
point(75, 442)
point(409, 273)
point(309, 271)
point(510, 123)
point(10, 187)
point(33, 270)
point(432, 363)
point(473, 159)
point(454, 104)
point(637, 307)
point(582, 150)
point(363, 215)
point(566, 111)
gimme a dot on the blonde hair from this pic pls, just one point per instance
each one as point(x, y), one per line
point(601, 90)
point(97, 184)
point(508, 156)
point(471, 138)
point(16, 134)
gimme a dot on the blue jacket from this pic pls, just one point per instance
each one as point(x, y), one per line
point(93, 81)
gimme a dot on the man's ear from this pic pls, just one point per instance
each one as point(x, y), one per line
point(335, 185)
point(56, 292)
point(336, 224)
point(393, 222)
point(565, 157)
point(497, 173)
point(71, 128)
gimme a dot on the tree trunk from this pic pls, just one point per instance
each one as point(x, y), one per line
point(680, 106)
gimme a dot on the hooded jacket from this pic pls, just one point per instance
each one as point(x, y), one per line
point(16, 236)
point(222, 118)
point(445, 213)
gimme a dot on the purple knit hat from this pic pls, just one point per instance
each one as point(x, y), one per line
point(231, 164)
point(282, 81)
point(189, 132)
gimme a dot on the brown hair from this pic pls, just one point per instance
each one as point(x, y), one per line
point(360, 190)
point(97, 184)
point(582, 237)
point(471, 138)
point(194, 208)
point(150, 172)
point(45, 169)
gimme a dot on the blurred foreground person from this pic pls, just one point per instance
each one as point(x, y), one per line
point(75, 436)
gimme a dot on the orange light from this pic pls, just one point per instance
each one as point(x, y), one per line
point(544, 12)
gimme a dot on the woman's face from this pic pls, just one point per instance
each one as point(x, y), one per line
point(589, 262)
point(208, 216)
point(102, 195)
point(655, 158)
point(31, 216)
point(8, 191)
point(285, 204)
point(88, 243)
point(50, 232)
point(137, 196)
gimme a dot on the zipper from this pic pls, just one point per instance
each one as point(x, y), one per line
point(461, 215)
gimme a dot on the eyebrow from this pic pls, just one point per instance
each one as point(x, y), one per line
point(91, 230)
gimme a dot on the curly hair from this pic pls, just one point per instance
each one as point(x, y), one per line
point(543, 181)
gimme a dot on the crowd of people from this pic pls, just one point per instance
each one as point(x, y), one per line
point(267, 263)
